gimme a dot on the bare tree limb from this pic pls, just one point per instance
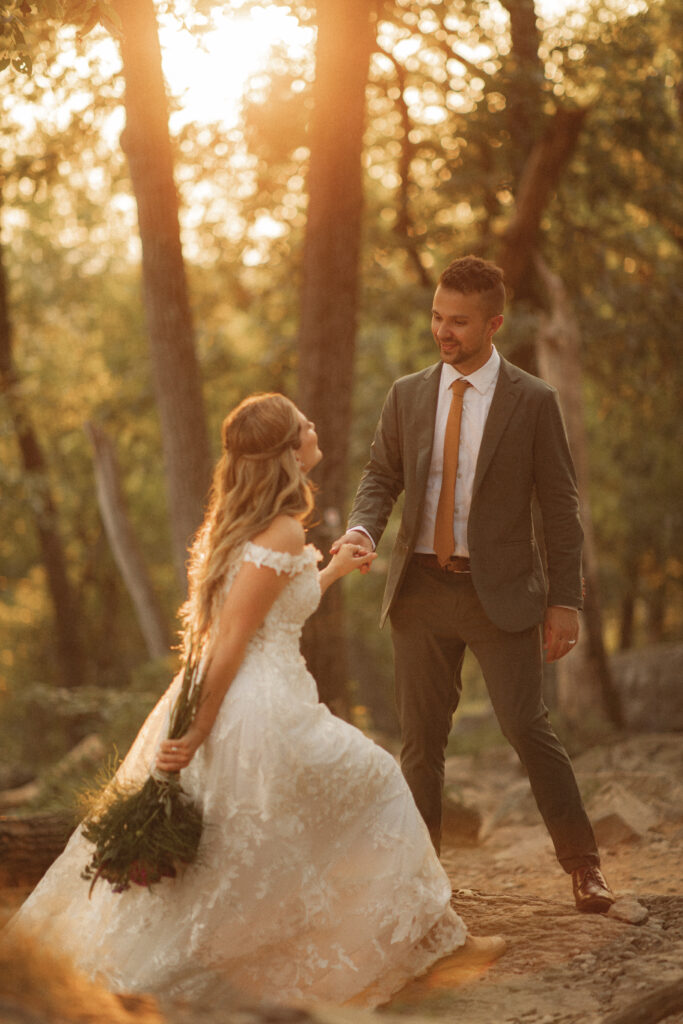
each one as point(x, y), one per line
point(404, 223)
point(124, 545)
point(540, 177)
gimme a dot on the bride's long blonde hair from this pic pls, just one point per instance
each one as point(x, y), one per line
point(256, 479)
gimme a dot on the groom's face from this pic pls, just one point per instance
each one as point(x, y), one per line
point(463, 329)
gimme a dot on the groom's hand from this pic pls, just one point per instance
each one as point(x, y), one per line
point(359, 539)
point(560, 631)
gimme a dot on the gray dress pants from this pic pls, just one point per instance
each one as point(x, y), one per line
point(435, 617)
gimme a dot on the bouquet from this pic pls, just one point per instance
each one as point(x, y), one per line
point(142, 834)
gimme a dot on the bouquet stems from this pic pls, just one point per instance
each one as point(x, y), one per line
point(142, 834)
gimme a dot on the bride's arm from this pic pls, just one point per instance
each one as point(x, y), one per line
point(246, 605)
point(347, 558)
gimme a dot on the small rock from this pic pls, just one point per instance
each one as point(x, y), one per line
point(618, 815)
point(628, 909)
point(461, 824)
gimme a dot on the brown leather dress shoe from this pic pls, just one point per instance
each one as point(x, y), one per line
point(591, 892)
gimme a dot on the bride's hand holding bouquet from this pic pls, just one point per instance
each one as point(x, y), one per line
point(143, 833)
point(176, 754)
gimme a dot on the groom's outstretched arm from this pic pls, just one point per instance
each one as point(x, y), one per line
point(380, 484)
point(382, 479)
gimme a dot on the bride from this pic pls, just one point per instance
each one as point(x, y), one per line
point(316, 878)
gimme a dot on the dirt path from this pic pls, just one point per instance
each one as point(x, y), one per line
point(563, 967)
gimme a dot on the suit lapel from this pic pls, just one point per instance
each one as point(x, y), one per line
point(422, 435)
point(504, 399)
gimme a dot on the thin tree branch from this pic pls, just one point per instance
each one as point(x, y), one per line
point(540, 176)
point(405, 228)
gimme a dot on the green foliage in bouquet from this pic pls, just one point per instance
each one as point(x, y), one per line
point(142, 834)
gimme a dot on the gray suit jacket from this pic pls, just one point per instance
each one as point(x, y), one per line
point(524, 451)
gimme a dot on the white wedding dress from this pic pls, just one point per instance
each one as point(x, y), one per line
point(316, 880)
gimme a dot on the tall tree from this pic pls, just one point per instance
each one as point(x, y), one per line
point(175, 367)
point(67, 618)
point(543, 156)
point(329, 298)
point(147, 145)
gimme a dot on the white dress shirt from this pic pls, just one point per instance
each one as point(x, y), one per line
point(475, 409)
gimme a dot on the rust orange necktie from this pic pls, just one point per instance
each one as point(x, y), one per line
point(444, 537)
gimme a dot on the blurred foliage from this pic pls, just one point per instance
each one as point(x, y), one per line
point(441, 158)
point(23, 23)
point(41, 723)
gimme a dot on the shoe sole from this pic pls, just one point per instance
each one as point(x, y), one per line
point(596, 905)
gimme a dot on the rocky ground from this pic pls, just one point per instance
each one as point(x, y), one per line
point(561, 967)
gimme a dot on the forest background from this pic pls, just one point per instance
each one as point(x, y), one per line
point(160, 262)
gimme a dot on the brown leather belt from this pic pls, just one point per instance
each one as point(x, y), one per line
point(454, 564)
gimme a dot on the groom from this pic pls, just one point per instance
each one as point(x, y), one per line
point(470, 441)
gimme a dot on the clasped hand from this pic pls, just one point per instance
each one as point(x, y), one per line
point(348, 555)
point(361, 544)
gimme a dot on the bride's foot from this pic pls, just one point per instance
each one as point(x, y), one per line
point(458, 968)
point(476, 951)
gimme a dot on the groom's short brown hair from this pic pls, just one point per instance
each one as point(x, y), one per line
point(472, 275)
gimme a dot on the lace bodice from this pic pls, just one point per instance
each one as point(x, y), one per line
point(299, 599)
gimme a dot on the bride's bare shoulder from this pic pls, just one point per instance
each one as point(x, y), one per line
point(283, 534)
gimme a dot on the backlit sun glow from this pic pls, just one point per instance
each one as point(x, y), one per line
point(208, 73)
point(207, 70)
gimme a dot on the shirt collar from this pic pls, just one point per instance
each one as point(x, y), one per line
point(481, 379)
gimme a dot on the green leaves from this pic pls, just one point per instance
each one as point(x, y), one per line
point(23, 64)
point(21, 21)
point(13, 40)
point(142, 834)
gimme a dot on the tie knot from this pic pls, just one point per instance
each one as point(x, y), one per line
point(460, 385)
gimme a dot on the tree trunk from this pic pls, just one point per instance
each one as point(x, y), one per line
point(65, 605)
point(587, 674)
point(656, 614)
point(124, 545)
point(175, 368)
point(542, 172)
point(628, 605)
point(521, 74)
point(539, 162)
point(329, 299)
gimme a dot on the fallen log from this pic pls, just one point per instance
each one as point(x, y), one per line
point(28, 846)
point(85, 755)
point(650, 1009)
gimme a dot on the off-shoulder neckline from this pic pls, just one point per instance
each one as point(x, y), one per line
point(307, 549)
